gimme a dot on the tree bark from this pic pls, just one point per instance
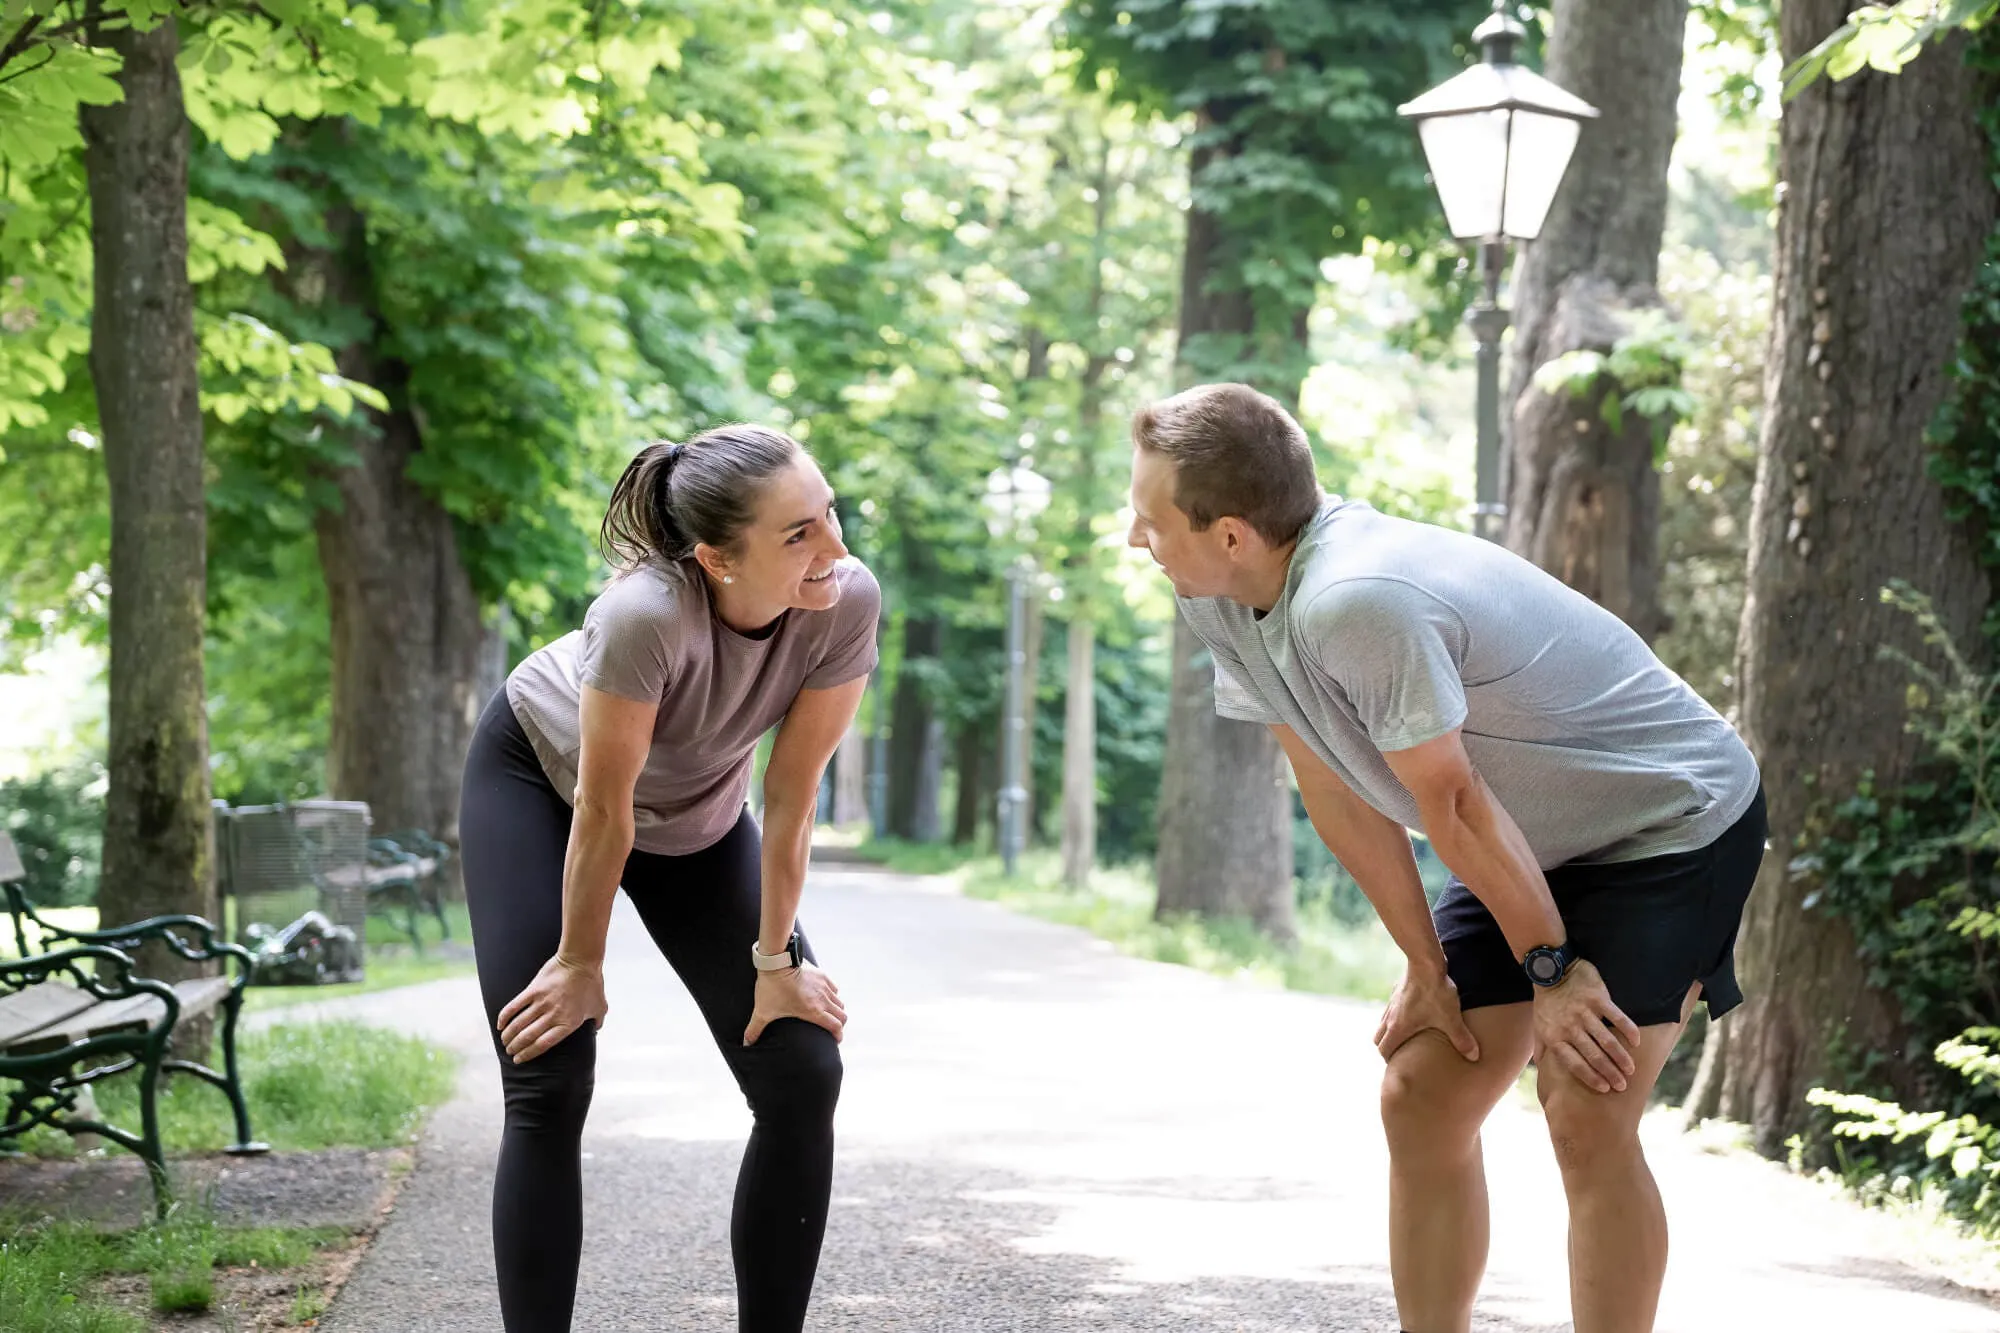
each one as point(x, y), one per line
point(1079, 764)
point(1582, 497)
point(143, 363)
point(911, 733)
point(850, 778)
point(971, 765)
point(406, 627)
point(1887, 204)
point(1034, 626)
point(1225, 845)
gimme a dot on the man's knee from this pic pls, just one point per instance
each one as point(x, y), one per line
point(792, 1074)
point(551, 1093)
point(1430, 1106)
point(1588, 1130)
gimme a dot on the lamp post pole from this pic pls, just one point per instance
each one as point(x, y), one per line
point(1488, 320)
point(1013, 736)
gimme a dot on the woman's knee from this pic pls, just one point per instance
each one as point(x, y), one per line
point(793, 1073)
point(551, 1093)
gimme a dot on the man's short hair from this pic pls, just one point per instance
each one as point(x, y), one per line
point(1236, 452)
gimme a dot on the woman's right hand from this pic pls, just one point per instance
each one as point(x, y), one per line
point(562, 997)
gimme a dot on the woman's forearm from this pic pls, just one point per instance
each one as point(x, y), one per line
point(787, 849)
point(1476, 837)
point(599, 843)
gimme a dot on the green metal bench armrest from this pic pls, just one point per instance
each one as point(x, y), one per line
point(132, 935)
point(121, 984)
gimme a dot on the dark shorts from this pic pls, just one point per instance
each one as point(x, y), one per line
point(1652, 928)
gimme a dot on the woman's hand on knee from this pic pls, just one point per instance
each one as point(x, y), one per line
point(799, 992)
point(563, 997)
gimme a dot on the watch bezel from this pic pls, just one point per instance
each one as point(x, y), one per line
point(1559, 957)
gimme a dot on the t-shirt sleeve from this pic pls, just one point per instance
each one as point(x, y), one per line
point(625, 641)
point(1235, 697)
point(850, 649)
point(1395, 651)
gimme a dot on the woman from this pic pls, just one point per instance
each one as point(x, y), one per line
point(620, 754)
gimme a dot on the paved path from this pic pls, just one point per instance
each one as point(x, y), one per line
point(1038, 1135)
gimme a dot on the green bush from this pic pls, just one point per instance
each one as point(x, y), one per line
point(56, 818)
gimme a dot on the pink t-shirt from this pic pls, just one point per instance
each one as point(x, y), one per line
point(653, 634)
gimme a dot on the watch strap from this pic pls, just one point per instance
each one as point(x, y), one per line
point(790, 957)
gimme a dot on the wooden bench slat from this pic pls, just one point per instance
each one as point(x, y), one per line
point(198, 996)
point(24, 1013)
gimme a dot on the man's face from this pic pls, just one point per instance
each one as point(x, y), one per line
point(1196, 563)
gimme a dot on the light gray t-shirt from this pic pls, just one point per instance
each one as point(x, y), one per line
point(1392, 633)
point(653, 634)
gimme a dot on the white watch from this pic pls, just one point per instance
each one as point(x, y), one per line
point(784, 960)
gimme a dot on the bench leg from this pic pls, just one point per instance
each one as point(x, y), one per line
point(149, 1148)
point(245, 1145)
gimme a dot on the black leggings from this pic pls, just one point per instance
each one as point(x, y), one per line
point(702, 912)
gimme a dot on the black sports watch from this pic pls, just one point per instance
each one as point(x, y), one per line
point(1547, 966)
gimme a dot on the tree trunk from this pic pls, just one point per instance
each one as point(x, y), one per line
point(1582, 497)
point(1079, 764)
point(1225, 821)
point(1887, 207)
point(143, 364)
point(1035, 622)
point(1225, 813)
point(971, 765)
point(850, 778)
point(411, 653)
point(911, 733)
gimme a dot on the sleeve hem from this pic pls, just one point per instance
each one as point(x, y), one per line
point(1412, 734)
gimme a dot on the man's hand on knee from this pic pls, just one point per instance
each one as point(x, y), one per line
point(1579, 1029)
point(1424, 999)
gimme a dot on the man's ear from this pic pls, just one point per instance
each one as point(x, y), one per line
point(1235, 534)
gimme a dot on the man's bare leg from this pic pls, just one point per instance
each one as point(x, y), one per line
point(1433, 1102)
point(1617, 1223)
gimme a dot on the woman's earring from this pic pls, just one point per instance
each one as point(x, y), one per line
point(729, 578)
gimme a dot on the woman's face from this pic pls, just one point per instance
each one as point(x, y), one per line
point(785, 557)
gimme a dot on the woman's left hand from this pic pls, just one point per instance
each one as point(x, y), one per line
point(798, 992)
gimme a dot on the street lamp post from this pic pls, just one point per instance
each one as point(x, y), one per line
point(1498, 137)
point(1013, 494)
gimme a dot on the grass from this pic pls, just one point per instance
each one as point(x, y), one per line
point(47, 1271)
point(1329, 957)
point(316, 1085)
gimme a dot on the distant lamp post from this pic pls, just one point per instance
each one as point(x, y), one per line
point(1498, 137)
point(1015, 494)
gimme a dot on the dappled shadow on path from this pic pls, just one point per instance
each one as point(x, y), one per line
point(939, 1247)
point(1896, 1277)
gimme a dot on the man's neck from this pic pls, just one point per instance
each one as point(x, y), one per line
point(1262, 586)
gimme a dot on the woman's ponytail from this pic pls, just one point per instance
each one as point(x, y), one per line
point(639, 525)
point(675, 496)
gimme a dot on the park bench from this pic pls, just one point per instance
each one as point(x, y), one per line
point(403, 872)
point(72, 1012)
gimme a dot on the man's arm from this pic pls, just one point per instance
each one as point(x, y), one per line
point(1479, 840)
point(1576, 1022)
point(1375, 850)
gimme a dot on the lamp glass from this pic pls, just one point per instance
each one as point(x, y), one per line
point(1538, 154)
point(1467, 152)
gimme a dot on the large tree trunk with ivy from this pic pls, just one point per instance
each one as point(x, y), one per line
point(1582, 495)
point(1225, 810)
point(406, 627)
point(143, 364)
point(1887, 205)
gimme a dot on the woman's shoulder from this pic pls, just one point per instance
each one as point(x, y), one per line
point(648, 596)
point(860, 595)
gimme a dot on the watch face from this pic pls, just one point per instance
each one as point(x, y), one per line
point(1543, 967)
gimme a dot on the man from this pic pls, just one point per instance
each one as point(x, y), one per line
point(1603, 826)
